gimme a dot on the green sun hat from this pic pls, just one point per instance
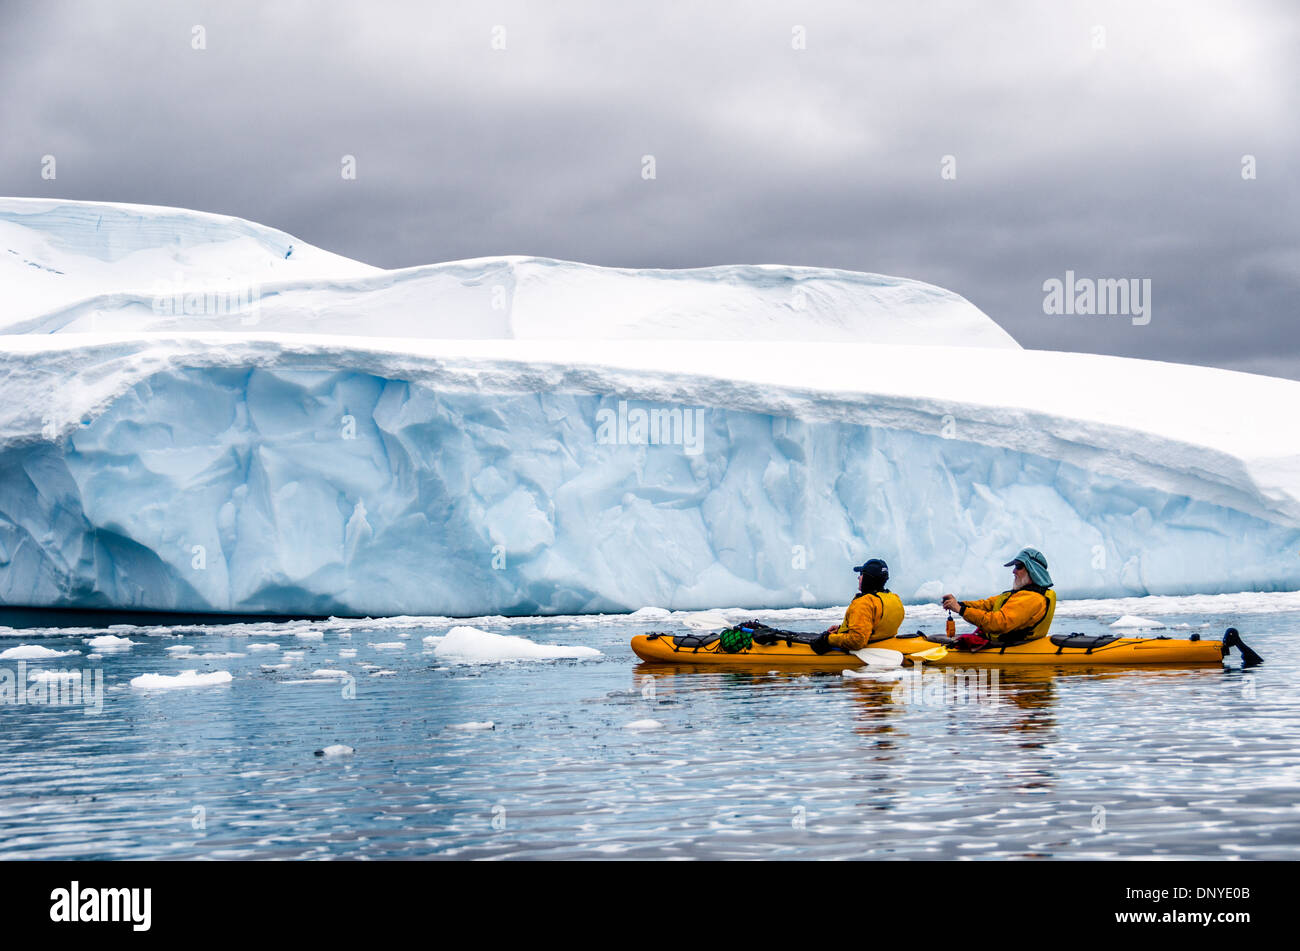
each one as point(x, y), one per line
point(1035, 564)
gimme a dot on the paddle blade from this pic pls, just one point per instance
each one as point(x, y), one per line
point(879, 657)
point(933, 653)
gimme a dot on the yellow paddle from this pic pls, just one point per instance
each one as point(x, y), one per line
point(933, 653)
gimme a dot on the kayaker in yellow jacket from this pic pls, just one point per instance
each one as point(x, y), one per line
point(1023, 613)
point(874, 615)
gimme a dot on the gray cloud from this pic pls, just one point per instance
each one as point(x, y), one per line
point(1115, 162)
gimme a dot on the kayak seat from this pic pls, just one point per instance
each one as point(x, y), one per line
point(1085, 641)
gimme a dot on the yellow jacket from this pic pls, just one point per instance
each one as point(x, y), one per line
point(1012, 611)
point(870, 617)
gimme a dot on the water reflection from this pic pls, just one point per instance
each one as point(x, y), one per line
point(741, 762)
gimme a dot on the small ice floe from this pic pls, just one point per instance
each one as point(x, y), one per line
point(263, 647)
point(469, 645)
point(309, 635)
point(275, 666)
point(644, 725)
point(348, 652)
point(473, 725)
point(110, 642)
point(326, 672)
point(389, 646)
point(186, 678)
point(32, 652)
point(225, 656)
point(338, 749)
point(1137, 623)
point(383, 673)
point(294, 655)
point(180, 649)
point(433, 640)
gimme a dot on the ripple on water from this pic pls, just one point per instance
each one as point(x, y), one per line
point(1200, 763)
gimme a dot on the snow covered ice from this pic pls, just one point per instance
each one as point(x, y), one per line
point(195, 419)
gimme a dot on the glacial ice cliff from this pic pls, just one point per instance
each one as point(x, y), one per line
point(203, 414)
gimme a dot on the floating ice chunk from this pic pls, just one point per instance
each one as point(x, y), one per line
point(310, 635)
point(389, 646)
point(186, 678)
point(32, 652)
point(469, 645)
point(110, 642)
point(338, 749)
point(180, 649)
point(348, 652)
point(644, 725)
point(650, 614)
point(473, 725)
point(224, 656)
point(1135, 622)
point(383, 673)
point(326, 672)
point(264, 647)
point(276, 666)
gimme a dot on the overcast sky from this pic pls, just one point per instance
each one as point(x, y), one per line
point(1102, 138)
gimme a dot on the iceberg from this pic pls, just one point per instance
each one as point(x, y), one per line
point(204, 414)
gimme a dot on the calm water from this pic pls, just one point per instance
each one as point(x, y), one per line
point(1179, 763)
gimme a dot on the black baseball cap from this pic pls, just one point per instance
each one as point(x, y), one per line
point(875, 563)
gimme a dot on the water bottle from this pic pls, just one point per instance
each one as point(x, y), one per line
point(951, 626)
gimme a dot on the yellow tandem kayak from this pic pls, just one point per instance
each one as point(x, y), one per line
point(1056, 650)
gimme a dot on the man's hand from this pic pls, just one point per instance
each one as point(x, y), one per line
point(832, 629)
point(950, 603)
point(823, 644)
